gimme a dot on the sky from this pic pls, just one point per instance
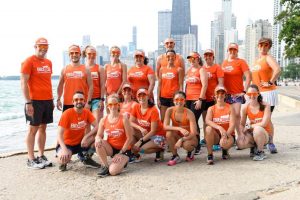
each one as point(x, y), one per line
point(108, 22)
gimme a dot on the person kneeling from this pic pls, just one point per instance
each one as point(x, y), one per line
point(113, 139)
point(220, 122)
point(71, 134)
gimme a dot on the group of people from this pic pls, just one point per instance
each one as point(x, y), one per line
point(133, 124)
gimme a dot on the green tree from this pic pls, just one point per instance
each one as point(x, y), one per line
point(290, 32)
point(292, 71)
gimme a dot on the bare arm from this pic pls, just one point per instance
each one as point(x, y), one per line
point(158, 66)
point(24, 86)
point(102, 81)
point(247, 75)
point(60, 88)
point(60, 138)
point(159, 87)
point(90, 84)
point(151, 132)
point(182, 64)
point(275, 67)
point(134, 124)
point(151, 79)
point(181, 77)
point(243, 118)
point(204, 80)
point(231, 121)
point(128, 132)
point(124, 77)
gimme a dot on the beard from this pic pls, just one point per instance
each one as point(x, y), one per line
point(79, 105)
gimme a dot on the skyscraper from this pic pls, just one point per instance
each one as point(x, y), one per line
point(194, 31)
point(226, 8)
point(164, 26)
point(134, 40)
point(180, 22)
point(86, 40)
point(277, 50)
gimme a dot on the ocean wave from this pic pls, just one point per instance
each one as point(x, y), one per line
point(10, 116)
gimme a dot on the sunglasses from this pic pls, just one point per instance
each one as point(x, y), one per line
point(91, 54)
point(141, 95)
point(208, 55)
point(74, 53)
point(167, 43)
point(78, 99)
point(139, 56)
point(112, 104)
point(252, 94)
point(179, 100)
point(43, 46)
point(232, 49)
point(191, 58)
point(115, 53)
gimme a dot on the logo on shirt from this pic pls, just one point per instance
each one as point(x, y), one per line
point(168, 75)
point(193, 79)
point(137, 74)
point(74, 74)
point(78, 126)
point(115, 133)
point(257, 120)
point(143, 123)
point(94, 75)
point(115, 74)
point(43, 69)
point(209, 75)
point(228, 68)
point(224, 119)
point(255, 68)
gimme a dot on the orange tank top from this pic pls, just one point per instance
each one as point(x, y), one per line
point(126, 109)
point(169, 82)
point(262, 72)
point(113, 78)
point(193, 84)
point(115, 133)
point(257, 118)
point(184, 123)
point(221, 116)
point(75, 79)
point(96, 81)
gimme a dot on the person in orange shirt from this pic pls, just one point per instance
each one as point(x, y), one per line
point(74, 77)
point(220, 121)
point(141, 75)
point(182, 131)
point(265, 73)
point(115, 72)
point(97, 73)
point(71, 134)
point(170, 80)
point(149, 136)
point(113, 139)
point(257, 134)
point(162, 60)
point(36, 86)
point(128, 103)
point(195, 89)
point(235, 69)
point(215, 78)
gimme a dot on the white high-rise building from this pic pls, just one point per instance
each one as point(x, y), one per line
point(277, 50)
point(230, 36)
point(164, 25)
point(226, 8)
point(86, 40)
point(103, 54)
point(188, 44)
point(261, 28)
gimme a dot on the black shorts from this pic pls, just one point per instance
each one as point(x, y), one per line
point(168, 102)
point(43, 112)
point(208, 104)
point(116, 151)
point(74, 149)
point(66, 107)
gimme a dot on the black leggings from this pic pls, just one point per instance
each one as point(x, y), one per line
point(190, 104)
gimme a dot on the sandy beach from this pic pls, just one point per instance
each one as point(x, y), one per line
point(277, 177)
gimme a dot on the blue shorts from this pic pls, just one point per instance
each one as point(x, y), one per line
point(234, 99)
point(76, 149)
point(95, 104)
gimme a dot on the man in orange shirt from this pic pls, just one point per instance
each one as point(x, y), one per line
point(37, 90)
point(74, 77)
point(71, 133)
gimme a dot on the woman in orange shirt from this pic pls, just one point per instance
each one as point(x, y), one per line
point(97, 73)
point(235, 69)
point(149, 136)
point(182, 131)
point(265, 73)
point(115, 72)
point(257, 134)
point(141, 75)
point(113, 139)
point(170, 80)
point(195, 89)
point(128, 104)
point(220, 120)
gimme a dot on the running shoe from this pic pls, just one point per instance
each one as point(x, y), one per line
point(89, 162)
point(252, 151)
point(35, 164)
point(198, 149)
point(272, 148)
point(210, 159)
point(203, 142)
point(216, 147)
point(62, 167)
point(135, 158)
point(103, 172)
point(190, 156)
point(159, 156)
point(43, 159)
point(259, 156)
point(225, 154)
point(174, 160)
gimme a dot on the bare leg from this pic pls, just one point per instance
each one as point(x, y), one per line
point(211, 138)
point(42, 138)
point(30, 140)
point(163, 110)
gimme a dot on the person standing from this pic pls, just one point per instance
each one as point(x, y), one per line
point(74, 77)
point(36, 86)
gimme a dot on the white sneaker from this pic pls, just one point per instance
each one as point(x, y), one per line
point(34, 164)
point(43, 159)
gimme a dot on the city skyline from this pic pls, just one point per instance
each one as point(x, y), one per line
point(109, 23)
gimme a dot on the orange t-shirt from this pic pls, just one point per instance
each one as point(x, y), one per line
point(144, 120)
point(75, 79)
point(262, 72)
point(169, 82)
point(96, 81)
point(222, 116)
point(164, 61)
point(257, 118)
point(113, 78)
point(116, 135)
point(193, 84)
point(127, 109)
point(213, 73)
point(233, 75)
point(74, 124)
point(39, 83)
point(184, 123)
point(138, 77)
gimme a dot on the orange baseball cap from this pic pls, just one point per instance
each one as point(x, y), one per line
point(41, 40)
point(209, 51)
point(142, 91)
point(74, 47)
point(139, 52)
point(233, 46)
point(194, 55)
point(126, 85)
point(218, 88)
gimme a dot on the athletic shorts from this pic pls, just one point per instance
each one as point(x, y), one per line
point(66, 107)
point(95, 104)
point(76, 149)
point(271, 97)
point(168, 102)
point(234, 99)
point(116, 151)
point(208, 104)
point(43, 112)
